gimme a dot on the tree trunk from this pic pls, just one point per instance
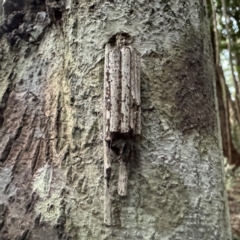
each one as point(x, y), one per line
point(51, 119)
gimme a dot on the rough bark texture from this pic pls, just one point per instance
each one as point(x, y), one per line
point(51, 153)
point(233, 182)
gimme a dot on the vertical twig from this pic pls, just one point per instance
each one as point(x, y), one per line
point(121, 113)
point(123, 179)
point(106, 150)
point(126, 74)
point(115, 88)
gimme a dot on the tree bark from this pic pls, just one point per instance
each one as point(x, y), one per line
point(51, 119)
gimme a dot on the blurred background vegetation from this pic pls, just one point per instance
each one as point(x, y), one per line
point(225, 31)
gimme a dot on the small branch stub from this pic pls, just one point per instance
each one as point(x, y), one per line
point(122, 110)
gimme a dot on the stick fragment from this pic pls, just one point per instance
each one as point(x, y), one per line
point(122, 112)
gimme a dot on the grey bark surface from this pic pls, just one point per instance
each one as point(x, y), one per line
point(51, 151)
